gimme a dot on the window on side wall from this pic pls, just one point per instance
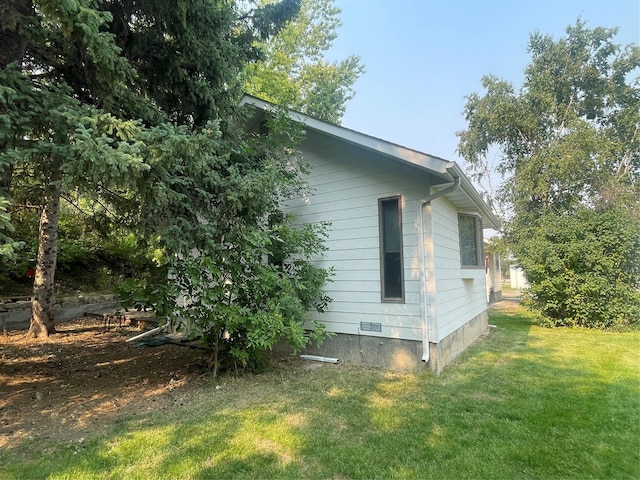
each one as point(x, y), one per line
point(391, 264)
point(471, 247)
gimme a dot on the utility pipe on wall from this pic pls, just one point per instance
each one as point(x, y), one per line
point(426, 289)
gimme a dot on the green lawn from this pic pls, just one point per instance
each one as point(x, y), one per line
point(527, 402)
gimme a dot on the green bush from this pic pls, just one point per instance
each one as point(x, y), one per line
point(584, 269)
point(90, 258)
point(241, 301)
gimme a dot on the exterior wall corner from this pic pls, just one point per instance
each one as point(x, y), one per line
point(450, 347)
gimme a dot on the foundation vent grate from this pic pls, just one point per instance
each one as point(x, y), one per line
point(370, 327)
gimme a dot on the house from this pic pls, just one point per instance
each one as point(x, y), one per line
point(518, 279)
point(405, 243)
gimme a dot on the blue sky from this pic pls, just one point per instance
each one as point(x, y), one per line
point(422, 57)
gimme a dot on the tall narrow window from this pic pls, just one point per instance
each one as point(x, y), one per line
point(391, 268)
point(471, 248)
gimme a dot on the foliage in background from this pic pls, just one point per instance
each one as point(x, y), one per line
point(294, 72)
point(569, 149)
point(90, 257)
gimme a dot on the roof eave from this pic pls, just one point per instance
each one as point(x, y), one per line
point(471, 192)
point(434, 165)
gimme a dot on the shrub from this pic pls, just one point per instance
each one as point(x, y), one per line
point(584, 269)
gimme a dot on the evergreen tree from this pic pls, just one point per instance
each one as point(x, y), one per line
point(132, 104)
point(54, 137)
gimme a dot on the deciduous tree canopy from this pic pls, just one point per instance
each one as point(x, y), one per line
point(294, 72)
point(569, 147)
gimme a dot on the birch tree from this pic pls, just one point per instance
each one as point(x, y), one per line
point(569, 147)
point(295, 72)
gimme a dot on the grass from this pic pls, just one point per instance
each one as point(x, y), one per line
point(527, 402)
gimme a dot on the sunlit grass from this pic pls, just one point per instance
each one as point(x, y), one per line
point(527, 402)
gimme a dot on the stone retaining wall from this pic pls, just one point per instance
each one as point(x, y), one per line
point(16, 315)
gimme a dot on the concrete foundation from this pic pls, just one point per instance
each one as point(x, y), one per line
point(444, 352)
point(387, 353)
point(401, 355)
point(495, 296)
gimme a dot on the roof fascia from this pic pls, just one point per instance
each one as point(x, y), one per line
point(434, 165)
point(467, 187)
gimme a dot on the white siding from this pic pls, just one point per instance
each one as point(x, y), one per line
point(346, 184)
point(494, 276)
point(460, 293)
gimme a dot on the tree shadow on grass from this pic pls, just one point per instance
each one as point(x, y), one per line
point(520, 404)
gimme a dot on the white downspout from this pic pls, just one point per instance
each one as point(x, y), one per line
point(424, 294)
point(425, 289)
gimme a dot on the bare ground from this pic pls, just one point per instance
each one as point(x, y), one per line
point(84, 378)
point(510, 301)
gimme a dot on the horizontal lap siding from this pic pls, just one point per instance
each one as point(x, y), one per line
point(346, 184)
point(348, 322)
point(458, 299)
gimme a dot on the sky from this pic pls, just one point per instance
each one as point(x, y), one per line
point(422, 57)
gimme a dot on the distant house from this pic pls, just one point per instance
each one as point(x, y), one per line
point(406, 245)
point(518, 279)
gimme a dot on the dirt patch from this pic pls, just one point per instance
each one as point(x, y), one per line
point(507, 305)
point(85, 377)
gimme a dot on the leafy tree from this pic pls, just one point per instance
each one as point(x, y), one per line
point(569, 149)
point(131, 105)
point(252, 278)
point(294, 72)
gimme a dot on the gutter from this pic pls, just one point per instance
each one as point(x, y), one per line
point(489, 217)
point(426, 286)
